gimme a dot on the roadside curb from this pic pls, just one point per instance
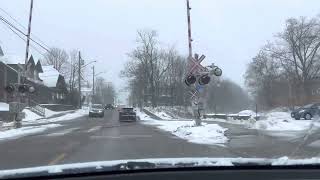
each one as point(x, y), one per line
point(151, 114)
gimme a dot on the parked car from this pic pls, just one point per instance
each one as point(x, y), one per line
point(109, 106)
point(306, 112)
point(96, 110)
point(127, 114)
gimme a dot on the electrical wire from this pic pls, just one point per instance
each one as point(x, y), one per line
point(15, 20)
point(17, 29)
point(33, 47)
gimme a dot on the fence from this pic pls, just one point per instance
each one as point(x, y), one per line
point(232, 116)
point(36, 107)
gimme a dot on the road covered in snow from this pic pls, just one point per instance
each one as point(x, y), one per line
point(75, 138)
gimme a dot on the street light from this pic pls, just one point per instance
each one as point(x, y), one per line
point(88, 63)
point(100, 73)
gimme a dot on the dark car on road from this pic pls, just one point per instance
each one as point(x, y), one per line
point(96, 110)
point(109, 106)
point(307, 112)
point(127, 114)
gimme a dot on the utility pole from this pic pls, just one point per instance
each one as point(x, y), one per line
point(79, 79)
point(28, 37)
point(93, 80)
point(189, 29)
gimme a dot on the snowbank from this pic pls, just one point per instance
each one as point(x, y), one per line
point(24, 131)
point(142, 115)
point(160, 112)
point(280, 121)
point(247, 113)
point(30, 116)
point(205, 134)
point(272, 121)
point(49, 113)
point(4, 106)
point(69, 116)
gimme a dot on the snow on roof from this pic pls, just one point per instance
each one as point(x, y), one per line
point(49, 76)
point(4, 106)
point(86, 89)
point(12, 59)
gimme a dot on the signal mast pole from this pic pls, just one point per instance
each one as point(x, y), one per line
point(195, 100)
point(28, 36)
point(189, 29)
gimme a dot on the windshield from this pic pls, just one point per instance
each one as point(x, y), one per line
point(97, 106)
point(87, 81)
point(308, 106)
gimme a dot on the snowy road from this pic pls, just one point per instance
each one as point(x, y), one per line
point(94, 139)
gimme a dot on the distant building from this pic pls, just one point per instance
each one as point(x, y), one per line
point(86, 94)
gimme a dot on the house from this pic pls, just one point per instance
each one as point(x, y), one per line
point(49, 83)
point(52, 79)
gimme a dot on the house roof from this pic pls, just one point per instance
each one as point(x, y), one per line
point(31, 61)
point(49, 76)
point(39, 67)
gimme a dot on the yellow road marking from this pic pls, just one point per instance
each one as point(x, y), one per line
point(57, 159)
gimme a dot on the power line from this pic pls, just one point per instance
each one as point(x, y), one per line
point(11, 25)
point(15, 20)
point(12, 18)
point(33, 47)
point(17, 29)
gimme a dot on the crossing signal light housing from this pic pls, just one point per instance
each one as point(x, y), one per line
point(217, 71)
point(23, 88)
point(191, 79)
point(10, 88)
point(31, 89)
point(204, 79)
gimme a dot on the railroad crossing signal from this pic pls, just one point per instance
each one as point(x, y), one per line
point(196, 63)
point(199, 72)
point(21, 88)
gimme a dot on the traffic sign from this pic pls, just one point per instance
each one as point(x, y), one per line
point(195, 63)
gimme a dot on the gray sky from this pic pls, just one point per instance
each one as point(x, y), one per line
point(228, 32)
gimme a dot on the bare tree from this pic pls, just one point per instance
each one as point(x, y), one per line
point(73, 69)
point(297, 48)
point(104, 92)
point(295, 56)
point(260, 77)
point(155, 74)
point(56, 57)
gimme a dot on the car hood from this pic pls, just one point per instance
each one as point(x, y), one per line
point(138, 164)
point(297, 110)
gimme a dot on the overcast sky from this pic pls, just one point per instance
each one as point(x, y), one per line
point(229, 33)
